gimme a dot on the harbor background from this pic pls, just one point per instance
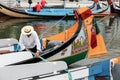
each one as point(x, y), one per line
point(66, 3)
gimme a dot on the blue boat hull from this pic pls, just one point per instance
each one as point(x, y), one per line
point(52, 12)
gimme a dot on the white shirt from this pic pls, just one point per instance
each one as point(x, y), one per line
point(29, 42)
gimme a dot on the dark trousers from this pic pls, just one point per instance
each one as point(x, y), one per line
point(34, 9)
point(34, 49)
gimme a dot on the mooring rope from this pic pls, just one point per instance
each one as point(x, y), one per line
point(40, 57)
point(52, 26)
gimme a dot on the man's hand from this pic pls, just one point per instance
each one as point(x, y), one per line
point(37, 54)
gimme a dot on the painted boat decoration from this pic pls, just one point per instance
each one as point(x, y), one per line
point(44, 13)
point(78, 42)
point(113, 8)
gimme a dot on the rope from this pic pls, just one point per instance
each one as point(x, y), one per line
point(53, 26)
point(18, 49)
point(40, 57)
point(69, 74)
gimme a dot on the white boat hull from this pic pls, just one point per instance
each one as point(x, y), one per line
point(11, 58)
point(28, 70)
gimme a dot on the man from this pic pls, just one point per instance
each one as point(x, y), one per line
point(29, 40)
point(43, 2)
point(17, 3)
point(29, 2)
point(37, 7)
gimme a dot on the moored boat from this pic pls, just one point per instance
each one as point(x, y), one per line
point(28, 13)
point(96, 7)
point(114, 8)
point(80, 41)
point(44, 13)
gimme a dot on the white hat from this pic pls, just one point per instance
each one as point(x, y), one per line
point(27, 30)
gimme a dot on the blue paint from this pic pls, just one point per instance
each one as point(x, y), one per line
point(53, 12)
point(91, 78)
point(100, 69)
point(58, 11)
point(41, 43)
point(105, 69)
point(95, 69)
point(15, 47)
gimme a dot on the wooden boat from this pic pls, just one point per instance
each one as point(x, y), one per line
point(44, 13)
point(77, 43)
point(113, 8)
point(67, 38)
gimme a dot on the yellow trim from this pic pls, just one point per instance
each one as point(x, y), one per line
point(100, 49)
point(65, 35)
point(116, 60)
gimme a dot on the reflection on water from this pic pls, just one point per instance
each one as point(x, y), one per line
point(12, 27)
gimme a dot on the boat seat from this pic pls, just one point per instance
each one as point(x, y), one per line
point(53, 43)
point(50, 44)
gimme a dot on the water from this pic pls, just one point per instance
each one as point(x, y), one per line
point(12, 27)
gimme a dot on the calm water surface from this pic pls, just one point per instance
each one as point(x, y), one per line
point(12, 27)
